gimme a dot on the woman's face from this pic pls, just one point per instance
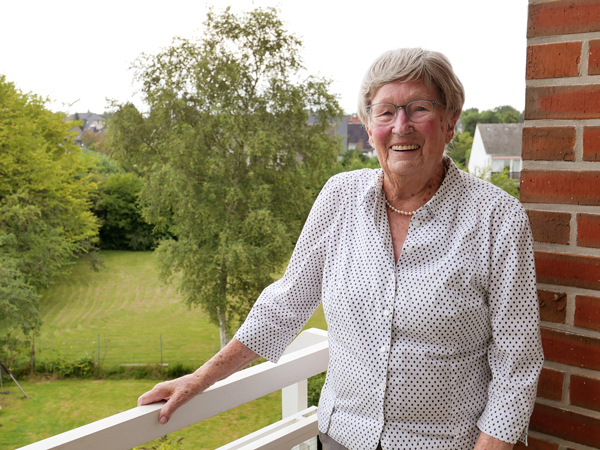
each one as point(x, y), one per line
point(408, 149)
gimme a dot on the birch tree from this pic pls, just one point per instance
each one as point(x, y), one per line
point(230, 161)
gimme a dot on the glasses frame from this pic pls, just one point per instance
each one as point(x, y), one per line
point(433, 102)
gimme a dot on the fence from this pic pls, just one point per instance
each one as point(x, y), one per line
point(308, 355)
point(110, 353)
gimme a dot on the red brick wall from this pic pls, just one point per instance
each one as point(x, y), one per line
point(560, 188)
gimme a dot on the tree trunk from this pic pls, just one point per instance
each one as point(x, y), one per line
point(32, 356)
point(223, 326)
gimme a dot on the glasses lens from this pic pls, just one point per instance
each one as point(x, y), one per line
point(383, 113)
point(419, 111)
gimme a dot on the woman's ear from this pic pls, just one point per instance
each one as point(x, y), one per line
point(452, 120)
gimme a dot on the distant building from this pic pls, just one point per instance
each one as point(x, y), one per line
point(93, 123)
point(358, 138)
point(352, 133)
point(496, 146)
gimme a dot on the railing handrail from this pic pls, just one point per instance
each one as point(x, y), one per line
point(139, 425)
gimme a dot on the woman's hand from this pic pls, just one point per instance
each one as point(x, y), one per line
point(487, 442)
point(233, 357)
point(177, 392)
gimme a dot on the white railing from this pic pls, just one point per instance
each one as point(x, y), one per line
point(308, 355)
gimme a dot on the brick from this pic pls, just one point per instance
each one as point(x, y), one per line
point(563, 17)
point(550, 385)
point(587, 312)
point(585, 392)
point(594, 58)
point(588, 230)
point(568, 270)
point(553, 60)
point(591, 144)
point(572, 349)
point(536, 444)
point(553, 306)
point(564, 187)
point(548, 144)
point(547, 226)
point(562, 102)
point(568, 425)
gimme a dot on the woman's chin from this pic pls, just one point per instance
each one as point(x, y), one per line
point(403, 168)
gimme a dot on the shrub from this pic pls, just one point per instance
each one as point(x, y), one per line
point(315, 384)
point(83, 367)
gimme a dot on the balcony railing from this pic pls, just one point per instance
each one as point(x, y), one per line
point(308, 355)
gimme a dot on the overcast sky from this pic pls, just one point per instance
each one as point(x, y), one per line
point(78, 53)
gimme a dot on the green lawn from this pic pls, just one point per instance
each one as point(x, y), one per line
point(129, 310)
point(61, 405)
point(128, 307)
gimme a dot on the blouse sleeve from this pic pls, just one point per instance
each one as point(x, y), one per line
point(284, 307)
point(515, 352)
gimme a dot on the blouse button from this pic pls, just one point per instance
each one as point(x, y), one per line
point(386, 312)
point(383, 349)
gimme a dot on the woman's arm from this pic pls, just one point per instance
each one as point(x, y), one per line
point(487, 442)
point(515, 351)
point(233, 357)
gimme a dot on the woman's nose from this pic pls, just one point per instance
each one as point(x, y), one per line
point(402, 124)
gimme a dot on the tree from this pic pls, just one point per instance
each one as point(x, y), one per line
point(501, 114)
point(45, 216)
point(500, 179)
point(122, 224)
point(227, 155)
point(460, 149)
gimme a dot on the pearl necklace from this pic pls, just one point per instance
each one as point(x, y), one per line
point(406, 213)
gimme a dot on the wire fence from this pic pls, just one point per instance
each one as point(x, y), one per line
point(107, 352)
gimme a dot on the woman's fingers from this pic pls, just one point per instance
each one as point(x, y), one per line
point(159, 392)
point(177, 392)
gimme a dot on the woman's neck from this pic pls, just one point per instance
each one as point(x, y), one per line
point(406, 194)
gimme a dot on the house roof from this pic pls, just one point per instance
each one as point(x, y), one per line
point(87, 119)
point(501, 139)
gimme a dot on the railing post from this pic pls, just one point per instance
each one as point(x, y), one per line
point(294, 399)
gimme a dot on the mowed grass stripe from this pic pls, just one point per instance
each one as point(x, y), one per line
point(127, 306)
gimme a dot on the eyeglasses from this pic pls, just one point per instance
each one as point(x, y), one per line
point(417, 111)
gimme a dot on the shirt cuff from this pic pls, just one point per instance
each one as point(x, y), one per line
point(506, 416)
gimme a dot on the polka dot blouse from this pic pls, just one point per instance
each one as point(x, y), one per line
point(425, 352)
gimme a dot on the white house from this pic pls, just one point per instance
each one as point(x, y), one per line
point(496, 146)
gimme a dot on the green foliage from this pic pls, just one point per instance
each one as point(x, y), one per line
point(500, 179)
point(315, 385)
point(45, 215)
point(117, 207)
point(83, 367)
point(501, 114)
point(94, 141)
point(459, 149)
point(227, 156)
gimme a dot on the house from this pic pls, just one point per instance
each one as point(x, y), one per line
point(496, 146)
point(92, 123)
point(358, 138)
point(352, 132)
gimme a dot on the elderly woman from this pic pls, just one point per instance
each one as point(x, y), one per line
point(427, 279)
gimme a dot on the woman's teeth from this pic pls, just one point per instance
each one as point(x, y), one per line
point(404, 147)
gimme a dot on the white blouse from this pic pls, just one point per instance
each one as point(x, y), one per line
point(425, 352)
